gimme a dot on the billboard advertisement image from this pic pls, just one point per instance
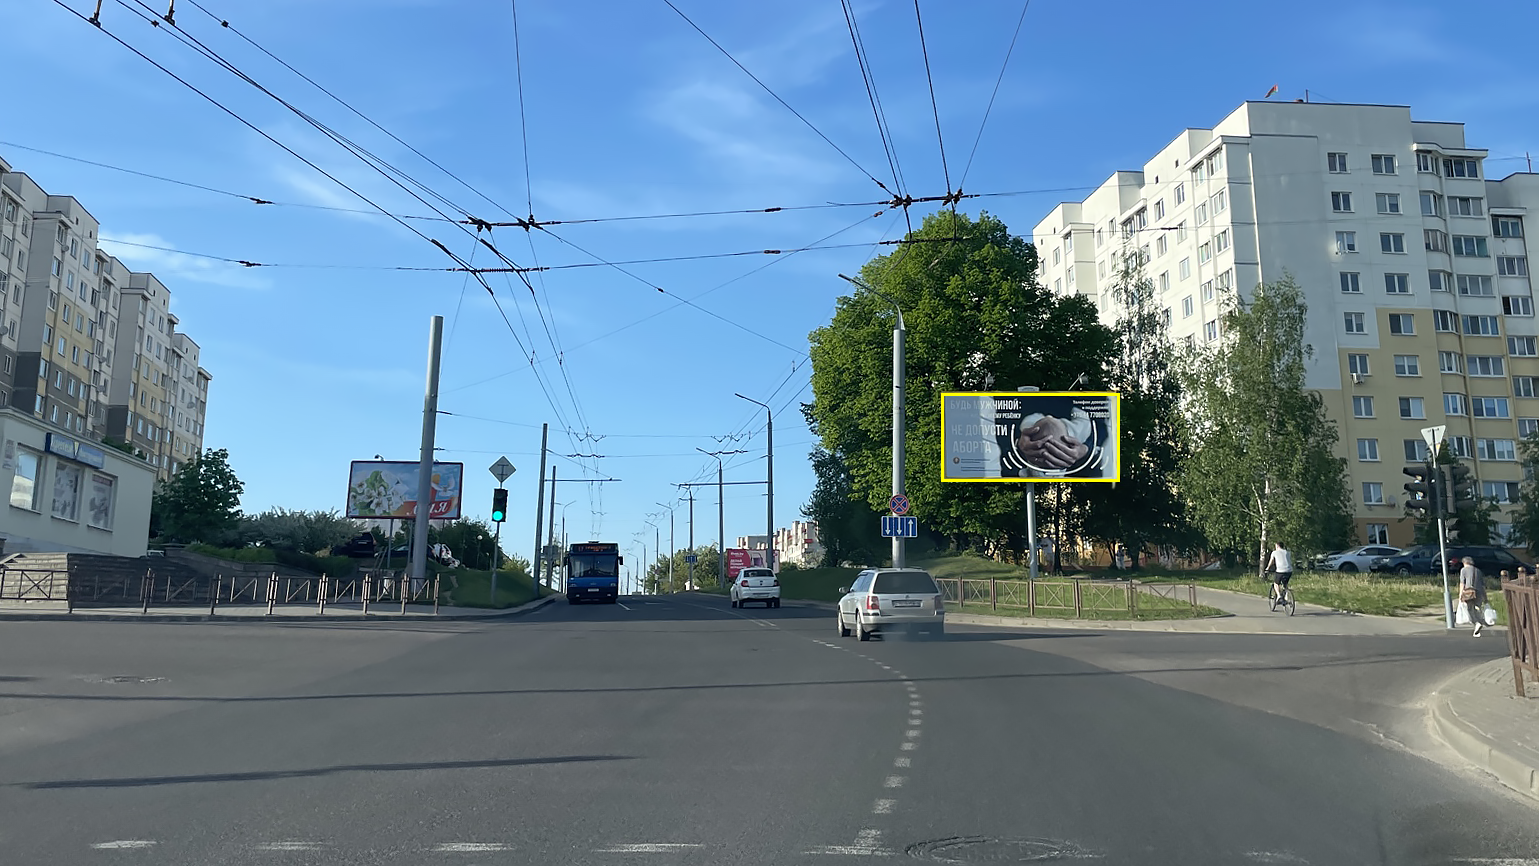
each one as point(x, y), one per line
point(388, 489)
point(739, 558)
point(1031, 436)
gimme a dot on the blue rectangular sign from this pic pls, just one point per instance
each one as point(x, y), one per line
point(900, 527)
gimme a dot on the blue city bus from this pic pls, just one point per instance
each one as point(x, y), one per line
point(593, 572)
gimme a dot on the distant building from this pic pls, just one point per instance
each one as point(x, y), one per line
point(798, 544)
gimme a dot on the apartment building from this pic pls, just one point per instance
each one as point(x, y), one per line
point(1412, 259)
point(798, 544)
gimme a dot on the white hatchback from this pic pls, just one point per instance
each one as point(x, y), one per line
point(756, 584)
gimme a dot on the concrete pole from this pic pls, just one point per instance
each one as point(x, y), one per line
point(539, 514)
point(1031, 515)
point(769, 520)
point(898, 424)
point(721, 530)
point(550, 568)
point(690, 580)
point(425, 463)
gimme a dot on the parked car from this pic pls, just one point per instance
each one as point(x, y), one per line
point(1356, 559)
point(361, 546)
point(1423, 559)
point(888, 599)
point(756, 584)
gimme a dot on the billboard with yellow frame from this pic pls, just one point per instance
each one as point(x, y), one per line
point(1031, 436)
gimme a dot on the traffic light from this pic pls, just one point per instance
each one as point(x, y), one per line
point(1421, 492)
point(499, 505)
point(1451, 530)
point(1460, 489)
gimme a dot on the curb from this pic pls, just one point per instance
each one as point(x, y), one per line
point(527, 607)
point(1473, 745)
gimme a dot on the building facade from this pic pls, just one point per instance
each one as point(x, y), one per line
point(798, 544)
point(1412, 260)
point(68, 365)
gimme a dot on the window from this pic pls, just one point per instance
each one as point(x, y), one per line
point(1368, 449)
point(1185, 268)
point(1512, 266)
point(1100, 269)
point(1071, 277)
point(61, 347)
point(1056, 257)
point(1221, 242)
point(1159, 209)
point(1201, 214)
point(1186, 306)
point(66, 491)
point(1459, 205)
point(1362, 407)
point(1207, 291)
point(1098, 239)
point(1447, 362)
point(1480, 326)
point(1220, 202)
point(1377, 533)
point(1210, 330)
point(1435, 241)
point(1204, 253)
point(1180, 193)
point(1455, 404)
point(1426, 163)
point(1350, 282)
point(1439, 281)
point(58, 267)
point(1507, 227)
point(1354, 323)
point(1341, 202)
point(1161, 244)
point(1470, 246)
point(1388, 202)
point(100, 507)
point(1383, 163)
point(1346, 242)
point(1517, 305)
point(1068, 244)
point(26, 492)
point(1058, 286)
point(1460, 168)
point(1485, 365)
point(1476, 286)
point(1490, 407)
point(1397, 284)
point(1528, 427)
point(1357, 364)
point(1412, 407)
point(1522, 347)
point(1164, 281)
point(1181, 232)
point(1501, 491)
point(1391, 242)
point(1496, 449)
point(1336, 163)
point(1431, 204)
point(1523, 386)
point(48, 334)
point(1407, 365)
point(1402, 323)
point(1373, 493)
point(1459, 446)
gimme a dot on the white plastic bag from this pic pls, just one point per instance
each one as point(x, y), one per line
point(1489, 615)
point(1462, 614)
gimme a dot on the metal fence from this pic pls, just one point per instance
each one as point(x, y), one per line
point(1522, 630)
point(34, 584)
point(1072, 597)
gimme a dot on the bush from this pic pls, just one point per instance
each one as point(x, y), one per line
point(335, 566)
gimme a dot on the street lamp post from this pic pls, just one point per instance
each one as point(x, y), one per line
point(899, 421)
point(671, 552)
point(769, 520)
point(721, 517)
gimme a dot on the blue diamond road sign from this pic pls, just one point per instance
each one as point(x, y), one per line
point(900, 527)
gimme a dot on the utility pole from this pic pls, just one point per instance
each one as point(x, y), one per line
point(690, 580)
point(769, 521)
point(425, 462)
point(539, 514)
point(672, 552)
point(899, 419)
point(550, 569)
point(1031, 516)
point(721, 517)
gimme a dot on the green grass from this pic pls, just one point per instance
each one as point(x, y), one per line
point(815, 584)
point(1358, 593)
point(1143, 614)
point(474, 588)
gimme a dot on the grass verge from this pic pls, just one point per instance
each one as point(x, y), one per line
point(1143, 615)
point(472, 588)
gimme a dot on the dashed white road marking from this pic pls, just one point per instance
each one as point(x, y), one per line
point(909, 746)
point(893, 782)
point(909, 683)
point(471, 847)
point(1498, 861)
point(883, 807)
point(915, 703)
point(121, 844)
point(914, 721)
point(1275, 857)
point(622, 604)
point(915, 711)
point(869, 837)
point(901, 761)
point(845, 850)
point(911, 733)
point(885, 667)
point(289, 846)
point(647, 848)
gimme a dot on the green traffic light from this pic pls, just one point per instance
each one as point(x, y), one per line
point(499, 505)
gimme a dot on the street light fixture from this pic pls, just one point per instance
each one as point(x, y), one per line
point(671, 551)
point(769, 521)
point(721, 516)
point(898, 419)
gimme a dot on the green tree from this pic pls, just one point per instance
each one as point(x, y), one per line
point(1143, 508)
point(1262, 465)
point(471, 541)
point(200, 503)
point(977, 320)
point(302, 531)
point(1525, 520)
point(847, 526)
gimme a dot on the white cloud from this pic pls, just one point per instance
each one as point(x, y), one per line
point(155, 254)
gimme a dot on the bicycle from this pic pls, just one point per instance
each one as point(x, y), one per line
point(1281, 596)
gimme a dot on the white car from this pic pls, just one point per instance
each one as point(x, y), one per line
point(1358, 558)
point(756, 584)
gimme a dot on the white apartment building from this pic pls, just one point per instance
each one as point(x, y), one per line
point(798, 544)
point(1412, 260)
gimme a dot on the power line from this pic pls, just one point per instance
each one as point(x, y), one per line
point(934, 108)
point(882, 129)
point(997, 81)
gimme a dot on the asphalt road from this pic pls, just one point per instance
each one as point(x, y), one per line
point(678, 730)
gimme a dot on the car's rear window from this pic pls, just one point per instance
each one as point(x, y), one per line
point(904, 581)
point(756, 572)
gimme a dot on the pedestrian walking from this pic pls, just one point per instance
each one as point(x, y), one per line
point(1472, 593)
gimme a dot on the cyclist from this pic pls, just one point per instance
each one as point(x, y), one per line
point(1281, 565)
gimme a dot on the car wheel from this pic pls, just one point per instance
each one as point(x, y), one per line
point(839, 617)
point(1403, 570)
point(860, 630)
point(776, 603)
point(1348, 567)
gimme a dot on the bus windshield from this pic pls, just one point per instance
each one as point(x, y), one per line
point(594, 565)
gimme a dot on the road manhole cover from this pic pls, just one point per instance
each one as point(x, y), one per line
point(122, 679)
point(982, 849)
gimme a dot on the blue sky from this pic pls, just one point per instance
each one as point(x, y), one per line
point(629, 111)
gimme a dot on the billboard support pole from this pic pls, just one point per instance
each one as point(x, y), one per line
point(539, 515)
point(1031, 515)
point(425, 465)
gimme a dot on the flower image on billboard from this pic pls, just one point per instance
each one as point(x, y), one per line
point(388, 489)
point(1031, 436)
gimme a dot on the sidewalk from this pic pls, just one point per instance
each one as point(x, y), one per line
point(1243, 614)
point(1479, 715)
point(338, 612)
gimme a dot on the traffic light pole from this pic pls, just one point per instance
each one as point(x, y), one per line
point(496, 560)
point(1442, 550)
